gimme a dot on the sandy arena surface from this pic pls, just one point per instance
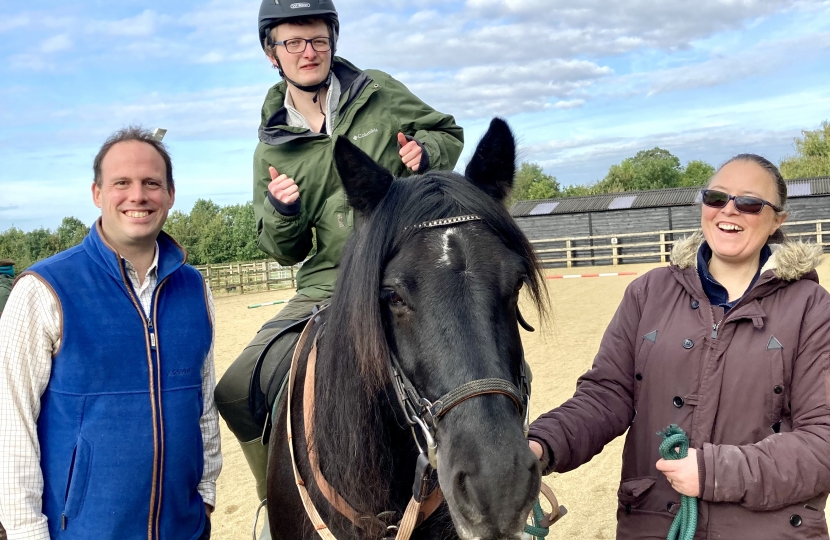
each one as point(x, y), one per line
point(558, 354)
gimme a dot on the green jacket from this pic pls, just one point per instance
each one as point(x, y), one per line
point(373, 108)
point(6, 283)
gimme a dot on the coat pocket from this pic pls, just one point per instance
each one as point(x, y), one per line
point(633, 492)
point(76, 483)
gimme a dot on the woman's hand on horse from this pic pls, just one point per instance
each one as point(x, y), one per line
point(536, 448)
point(282, 187)
point(682, 474)
point(410, 152)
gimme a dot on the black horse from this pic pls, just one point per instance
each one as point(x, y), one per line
point(442, 301)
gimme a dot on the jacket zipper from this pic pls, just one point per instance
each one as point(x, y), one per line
point(155, 354)
point(150, 341)
point(152, 333)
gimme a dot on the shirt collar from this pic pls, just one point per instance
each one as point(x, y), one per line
point(715, 292)
point(153, 270)
point(296, 119)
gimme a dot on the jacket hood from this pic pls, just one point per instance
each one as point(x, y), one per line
point(790, 261)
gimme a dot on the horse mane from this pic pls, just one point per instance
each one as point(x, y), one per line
point(355, 404)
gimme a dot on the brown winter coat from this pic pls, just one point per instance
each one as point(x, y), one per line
point(752, 394)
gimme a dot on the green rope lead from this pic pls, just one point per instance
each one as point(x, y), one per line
point(685, 522)
point(535, 530)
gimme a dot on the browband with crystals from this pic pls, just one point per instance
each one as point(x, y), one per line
point(443, 222)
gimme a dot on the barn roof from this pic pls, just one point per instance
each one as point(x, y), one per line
point(655, 198)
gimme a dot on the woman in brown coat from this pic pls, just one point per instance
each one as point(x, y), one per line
point(732, 343)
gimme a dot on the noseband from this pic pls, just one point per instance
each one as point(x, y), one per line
point(426, 414)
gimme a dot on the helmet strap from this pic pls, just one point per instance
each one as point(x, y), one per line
point(308, 88)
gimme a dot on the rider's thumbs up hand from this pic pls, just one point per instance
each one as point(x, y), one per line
point(282, 187)
point(410, 152)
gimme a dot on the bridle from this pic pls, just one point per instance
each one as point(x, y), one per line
point(426, 415)
point(419, 412)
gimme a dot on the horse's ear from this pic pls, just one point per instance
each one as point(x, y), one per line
point(365, 182)
point(493, 165)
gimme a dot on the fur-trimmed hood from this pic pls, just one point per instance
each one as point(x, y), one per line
point(790, 261)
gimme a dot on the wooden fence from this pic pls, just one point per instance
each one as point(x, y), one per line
point(654, 246)
point(244, 277)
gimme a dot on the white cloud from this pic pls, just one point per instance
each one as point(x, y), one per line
point(569, 104)
point(57, 43)
point(13, 22)
point(762, 59)
point(144, 24)
point(30, 62)
point(482, 91)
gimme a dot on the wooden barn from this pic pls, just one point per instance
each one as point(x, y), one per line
point(640, 226)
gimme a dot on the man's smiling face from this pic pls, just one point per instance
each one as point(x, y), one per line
point(134, 197)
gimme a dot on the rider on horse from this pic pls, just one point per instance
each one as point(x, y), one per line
point(300, 207)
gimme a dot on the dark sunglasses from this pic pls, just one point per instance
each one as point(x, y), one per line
point(743, 203)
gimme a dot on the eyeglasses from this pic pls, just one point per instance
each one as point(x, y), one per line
point(298, 45)
point(743, 203)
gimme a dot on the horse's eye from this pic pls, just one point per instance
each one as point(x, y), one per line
point(519, 285)
point(391, 297)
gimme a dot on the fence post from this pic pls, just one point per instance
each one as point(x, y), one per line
point(293, 285)
point(819, 236)
point(209, 279)
point(615, 256)
point(568, 254)
point(662, 247)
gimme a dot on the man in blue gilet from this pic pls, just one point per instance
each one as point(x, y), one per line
point(108, 427)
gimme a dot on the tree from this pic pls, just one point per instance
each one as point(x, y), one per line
point(71, 232)
point(178, 226)
point(206, 234)
point(648, 169)
point(531, 183)
point(241, 225)
point(13, 246)
point(216, 234)
point(812, 154)
point(696, 173)
point(579, 191)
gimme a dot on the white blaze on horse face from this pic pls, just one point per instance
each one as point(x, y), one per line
point(445, 246)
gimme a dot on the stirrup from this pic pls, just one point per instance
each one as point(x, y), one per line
point(256, 518)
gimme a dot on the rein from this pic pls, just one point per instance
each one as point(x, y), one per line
point(417, 511)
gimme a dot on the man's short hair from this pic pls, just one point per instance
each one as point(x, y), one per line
point(132, 133)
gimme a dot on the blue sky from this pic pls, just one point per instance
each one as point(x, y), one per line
point(583, 83)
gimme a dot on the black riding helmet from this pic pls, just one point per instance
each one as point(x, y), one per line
point(274, 12)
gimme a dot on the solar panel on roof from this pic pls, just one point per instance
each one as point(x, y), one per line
point(799, 189)
point(620, 203)
point(543, 208)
